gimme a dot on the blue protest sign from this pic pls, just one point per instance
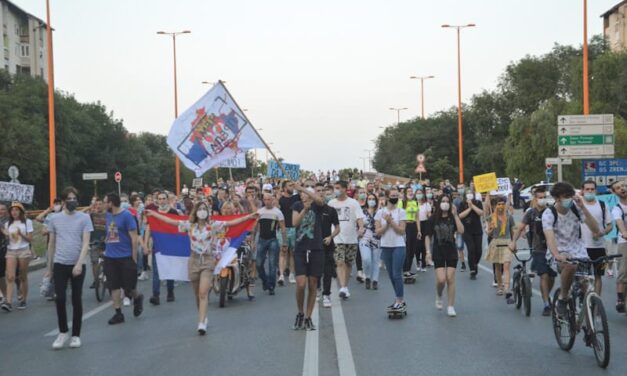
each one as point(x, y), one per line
point(274, 171)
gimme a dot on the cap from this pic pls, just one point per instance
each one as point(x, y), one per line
point(16, 204)
point(267, 187)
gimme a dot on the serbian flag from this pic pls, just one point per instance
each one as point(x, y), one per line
point(172, 247)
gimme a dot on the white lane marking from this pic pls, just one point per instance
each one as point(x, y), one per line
point(489, 270)
point(345, 361)
point(87, 315)
point(310, 364)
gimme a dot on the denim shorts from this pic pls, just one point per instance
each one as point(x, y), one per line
point(540, 265)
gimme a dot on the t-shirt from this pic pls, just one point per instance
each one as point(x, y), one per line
point(619, 215)
point(411, 208)
point(268, 222)
point(390, 238)
point(15, 240)
point(597, 214)
point(424, 211)
point(69, 230)
point(99, 222)
point(531, 219)
point(286, 204)
point(472, 223)
point(329, 219)
point(566, 232)
point(443, 231)
point(207, 239)
point(348, 212)
point(370, 237)
point(507, 233)
point(118, 242)
point(309, 232)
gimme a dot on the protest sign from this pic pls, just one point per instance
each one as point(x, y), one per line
point(16, 192)
point(485, 182)
point(274, 171)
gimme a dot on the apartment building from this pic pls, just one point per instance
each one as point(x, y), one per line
point(614, 27)
point(24, 44)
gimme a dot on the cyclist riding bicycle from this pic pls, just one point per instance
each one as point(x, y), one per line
point(562, 229)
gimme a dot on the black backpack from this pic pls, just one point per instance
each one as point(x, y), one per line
point(539, 231)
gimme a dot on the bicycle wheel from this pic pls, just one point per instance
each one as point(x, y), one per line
point(600, 332)
point(516, 290)
point(563, 327)
point(100, 288)
point(223, 287)
point(526, 294)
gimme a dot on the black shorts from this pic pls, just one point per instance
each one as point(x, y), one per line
point(595, 253)
point(445, 256)
point(3, 265)
point(121, 273)
point(309, 263)
point(425, 228)
point(540, 265)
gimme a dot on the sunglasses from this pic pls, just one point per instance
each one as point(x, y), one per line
point(309, 186)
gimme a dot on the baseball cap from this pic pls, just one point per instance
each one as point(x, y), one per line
point(267, 187)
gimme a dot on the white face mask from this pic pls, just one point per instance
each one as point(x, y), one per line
point(470, 196)
point(310, 190)
point(445, 206)
point(202, 214)
point(372, 203)
point(542, 202)
point(57, 208)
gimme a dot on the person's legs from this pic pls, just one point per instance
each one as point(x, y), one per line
point(273, 255)
point(440, 280)
point(61, 274)
point(10, 278)
point(195, 285)
point(156, 283)
point(450, 286)
point(498, 275)
point(77, 301)
point(386, 256)
point(340, 256)
point(566, 278)
point(329, 268)
point(366, 259)
point(411, 246)
point(301, 280)
point(204, 285)
point(262, 253)
point(398, 258)
point(358, 262)
point(472, 256)
point(23, 265)
point(312, 286)
point(506, 274)
point(376, 261)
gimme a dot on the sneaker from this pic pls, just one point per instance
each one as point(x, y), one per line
point(509, 297)
point(1, 300)
point(75, 342)
point(309, 325)
point(154, 300)
point(6, 307)
point(367, 283)
point(143, 276)
point(126, 302)
point(271, 292)
point(343, 293)
point(620, 306)
point(118, 318)
point(423, 270)
point(170, 297)
point(281, 281)
point(561, 307)
point(202, 328)
point(375, 285)
point(473, 276)
point(360, 276)
point(463, 268)
point(326, 301)
point(438, 303)
point(60, 341)
point(451, 311)
point(347, 293)
point(407, 274)
point(138, 305)
point(494, 284)
point(546, 311)
point(292, 279)
point(21, 305)
point(93, 285)
point(299, 322)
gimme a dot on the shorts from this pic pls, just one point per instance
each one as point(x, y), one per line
point(309, 263)
point(426, 228)
point(94, 254)
point(121, 273)
point(3, 267)
point(445, 256)
point(622, 263)
point(345, 253)
point(23, 253)
point(595, 253)
point(291, 238)
point(198, 264)
point(540, 265)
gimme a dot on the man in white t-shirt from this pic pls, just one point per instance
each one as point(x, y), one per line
point(595, 245)
point(270, 219)
point(563, 234)
point(351, 217)
point(619, 214)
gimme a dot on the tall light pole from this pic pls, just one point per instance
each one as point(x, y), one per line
point(369, 158)
point(177, 163)
point(459, 99)
point(398, 113)
point(422, 91)
point(586, 98)
point(51, 131)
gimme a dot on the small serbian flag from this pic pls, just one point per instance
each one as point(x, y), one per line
point(172, 247)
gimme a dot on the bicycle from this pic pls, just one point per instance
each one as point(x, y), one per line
point(101, 285)
point(521, 285)
point(584, 311)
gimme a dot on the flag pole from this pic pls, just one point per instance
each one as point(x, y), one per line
point(254, 130)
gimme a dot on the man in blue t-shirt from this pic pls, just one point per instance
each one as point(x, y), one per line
point(120, 261)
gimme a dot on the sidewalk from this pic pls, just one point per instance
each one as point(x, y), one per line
point(37, 264)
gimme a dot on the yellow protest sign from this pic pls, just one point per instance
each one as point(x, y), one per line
point(485, 182)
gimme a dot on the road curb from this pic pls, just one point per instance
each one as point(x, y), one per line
point(40, 263)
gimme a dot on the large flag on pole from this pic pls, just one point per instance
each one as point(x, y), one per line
point(172, 247)
point(211, 131)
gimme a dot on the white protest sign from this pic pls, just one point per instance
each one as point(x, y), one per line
point(16, 192)
point(504, 187)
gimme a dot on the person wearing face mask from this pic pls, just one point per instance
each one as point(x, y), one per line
point(445, 223)
point(470, 212)
point(67, 252)
point(330, 229)
point(369, 244)
point(501, 227)
point(562, 230)
point(426, 231)
point(204, 235)
point(360, 196)
point(595, 245)
point(390, 226)
point(411, 207)
point(539, 264)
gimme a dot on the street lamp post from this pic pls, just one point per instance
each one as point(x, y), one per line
point(51, 128)
point(177, 163)
point(369, 158)
point(459, 99)
point(586, 98)
point(398, 113)
point(422, 91)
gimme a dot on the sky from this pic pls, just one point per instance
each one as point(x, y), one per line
point(317, 77)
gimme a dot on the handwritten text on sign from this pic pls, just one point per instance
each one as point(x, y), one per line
point(16, 192)
point(485, 182)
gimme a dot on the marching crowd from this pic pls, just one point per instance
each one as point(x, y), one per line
point(316, 228)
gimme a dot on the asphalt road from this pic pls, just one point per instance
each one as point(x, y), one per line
point(355, 337)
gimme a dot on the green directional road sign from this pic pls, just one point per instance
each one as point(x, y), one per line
point(598, 139)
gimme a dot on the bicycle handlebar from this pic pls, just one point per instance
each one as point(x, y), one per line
point(599, 260)
point(515, 253)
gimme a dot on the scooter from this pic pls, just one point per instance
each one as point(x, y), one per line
point(235, 277)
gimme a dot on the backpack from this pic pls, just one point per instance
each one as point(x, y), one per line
point(539, 231)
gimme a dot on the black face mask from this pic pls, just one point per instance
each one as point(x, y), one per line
point(393, 201)
point(71, 205)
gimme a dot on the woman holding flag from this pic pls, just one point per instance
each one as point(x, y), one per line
point(207, 244)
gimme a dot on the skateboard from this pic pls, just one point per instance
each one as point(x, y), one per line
point(409, 280)
point(397, 313)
